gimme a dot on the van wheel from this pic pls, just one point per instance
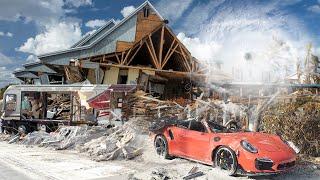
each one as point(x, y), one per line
point(226, 160)
point(161, 147)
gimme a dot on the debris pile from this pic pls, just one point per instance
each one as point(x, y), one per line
point(141, 104)
point(100, 143)
point(296, 121)
point(59, 106)
point(123, 143)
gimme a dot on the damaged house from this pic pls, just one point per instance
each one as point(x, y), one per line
point(140, 51)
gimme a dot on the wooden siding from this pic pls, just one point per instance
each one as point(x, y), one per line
point(111, 76)
point(145, 25)
point(122, 46)
point(133, 75)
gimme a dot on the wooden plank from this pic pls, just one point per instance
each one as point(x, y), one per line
point(171, 46)
point(152, 57)
point(103, 58)
point(153, 51)
point(122, 56)
point(161, 45)
point(125, 59)
point(152, 69)
point(185, 59)
point(117, 58)
point(134, 54)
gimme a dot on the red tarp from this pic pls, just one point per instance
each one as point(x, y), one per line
point(102, 101)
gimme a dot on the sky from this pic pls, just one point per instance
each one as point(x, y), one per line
point(254, 36)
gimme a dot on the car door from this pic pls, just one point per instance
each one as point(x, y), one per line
point(177, 139)
point(197, 141)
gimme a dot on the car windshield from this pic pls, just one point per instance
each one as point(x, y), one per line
point(216, 127)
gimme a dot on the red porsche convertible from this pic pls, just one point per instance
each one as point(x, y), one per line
point(236, 152)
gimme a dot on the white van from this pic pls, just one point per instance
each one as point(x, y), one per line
point(36, 106)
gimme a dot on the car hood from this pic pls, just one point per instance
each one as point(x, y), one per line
point(263, 141)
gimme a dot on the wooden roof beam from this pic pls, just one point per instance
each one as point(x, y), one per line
point(161, 45)
point(118, 59)
point(154, 51)
point(169, 54)
point(129, 61)
point(186, 62)
point(127, 55)
point(154, 59)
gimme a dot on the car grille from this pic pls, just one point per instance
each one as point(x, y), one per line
point(263, 164)
point(284, 166)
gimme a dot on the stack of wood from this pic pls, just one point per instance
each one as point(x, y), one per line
point(141, 104)
point(60, 104)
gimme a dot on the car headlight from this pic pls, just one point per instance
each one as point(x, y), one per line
point(248, 147)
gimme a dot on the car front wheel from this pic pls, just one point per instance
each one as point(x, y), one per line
point(226, 160)
point(161, 146)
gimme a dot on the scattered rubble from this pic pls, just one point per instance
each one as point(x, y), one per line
point(123, 143)
point(100, 143)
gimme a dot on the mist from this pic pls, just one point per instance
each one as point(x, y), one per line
point(251, 42)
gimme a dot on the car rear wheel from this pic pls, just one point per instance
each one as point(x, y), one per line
point(161, 146)
point(226, 160)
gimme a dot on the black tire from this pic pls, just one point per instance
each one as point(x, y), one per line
point(161, 147)
point(226, 160)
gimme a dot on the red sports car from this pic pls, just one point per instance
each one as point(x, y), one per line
point(237, 152)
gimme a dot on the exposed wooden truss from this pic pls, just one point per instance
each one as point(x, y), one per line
point(162, 46)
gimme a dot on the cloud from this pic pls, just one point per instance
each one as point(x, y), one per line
point(288, 2)
point(78, 3)
point(198, 16)
point(32, 58)
point(96, 23)
point(200, 50)
point(40, 11)
point(173, 10)
point(54, 37)
point(314, 8)
point(126, 11)
point(8, 34)
point(5, 60)
point(6, 77)
point(229, 32)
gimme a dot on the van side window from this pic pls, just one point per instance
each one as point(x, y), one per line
point(11, 102)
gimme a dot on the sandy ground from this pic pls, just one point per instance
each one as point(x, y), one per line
point(43, 163)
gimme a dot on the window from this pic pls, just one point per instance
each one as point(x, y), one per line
point(31, 105)
point(123, 76)
point(146, 12)
point(123, 79)
point(197, 126)
point(183, 124)
point(11, 102)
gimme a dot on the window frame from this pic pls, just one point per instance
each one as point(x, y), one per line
point(6, 103)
